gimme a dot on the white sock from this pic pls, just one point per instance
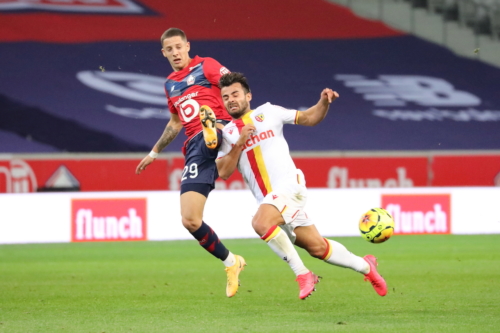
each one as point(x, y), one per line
point(338, 255)
point(230, 260)
point(279, 242)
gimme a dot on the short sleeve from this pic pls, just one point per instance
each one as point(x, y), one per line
point(171, 106)
point(213, 70)
point(287, 116)
point(224, 148)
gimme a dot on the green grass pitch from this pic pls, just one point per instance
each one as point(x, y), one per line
point(436, 284)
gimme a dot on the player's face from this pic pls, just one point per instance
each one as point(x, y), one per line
point(236, 101)
point(176, 50)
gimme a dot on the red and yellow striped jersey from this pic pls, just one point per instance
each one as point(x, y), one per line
point(266, 164)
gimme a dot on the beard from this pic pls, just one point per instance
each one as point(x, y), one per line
point(244, 108)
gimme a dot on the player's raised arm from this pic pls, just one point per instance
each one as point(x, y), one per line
point(173, 128)
point(315, 114)
point(228, 163)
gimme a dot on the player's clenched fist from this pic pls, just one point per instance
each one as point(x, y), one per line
point(246, 131)
point(329, 95)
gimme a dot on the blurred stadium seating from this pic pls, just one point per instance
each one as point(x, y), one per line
point(480, 15)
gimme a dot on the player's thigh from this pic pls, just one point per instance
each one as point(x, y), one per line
point(192, 205)
point(266, 217)
point(309, 238)
point(199, 163)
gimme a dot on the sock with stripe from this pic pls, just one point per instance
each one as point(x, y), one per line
point(211, 242)
point(279, 242)
point(337, 254)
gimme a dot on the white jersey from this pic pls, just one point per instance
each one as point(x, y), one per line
point(265, 163)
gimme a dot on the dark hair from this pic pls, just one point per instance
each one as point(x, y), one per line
point(228, 79)
point(172, 32)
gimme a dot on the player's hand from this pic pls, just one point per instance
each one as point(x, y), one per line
point(328, 95)
point(144, 163)
point(246, 132)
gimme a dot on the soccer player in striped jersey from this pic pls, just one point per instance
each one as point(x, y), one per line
point(195, 103)
point(254, 143)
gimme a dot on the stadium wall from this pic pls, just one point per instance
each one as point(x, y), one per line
point(155, 215)
point(116, 172)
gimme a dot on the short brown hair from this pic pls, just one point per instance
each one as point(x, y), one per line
point(171, 32)
point(228, 79)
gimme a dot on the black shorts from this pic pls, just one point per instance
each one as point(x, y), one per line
point(199, 166)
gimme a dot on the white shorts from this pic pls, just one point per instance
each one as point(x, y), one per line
point(290, 202)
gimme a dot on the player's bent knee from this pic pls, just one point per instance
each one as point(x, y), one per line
point(191, 224)
point(262, 226)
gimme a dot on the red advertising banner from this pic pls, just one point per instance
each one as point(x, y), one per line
point(99, 220)
point(22, 175)
point(419, 213)
point(346, 172)
point(473, 170)
point(98, 174)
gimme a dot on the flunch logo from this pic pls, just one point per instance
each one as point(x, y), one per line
point(419, 213)
point(95, 220)
point(259, 117)
point(87, 6)
point(254, 139)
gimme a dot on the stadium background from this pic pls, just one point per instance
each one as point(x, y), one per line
point(81, 103)
point(85, 77)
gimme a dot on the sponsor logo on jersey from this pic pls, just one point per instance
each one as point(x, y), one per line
point(224, 70)
point(259, 117)
point(95, 220)
point(395, 98)
point(419, 213)
point(184, 98)
point(17, 176)
point(256, 139)
point(85, 6)
point(190, 80)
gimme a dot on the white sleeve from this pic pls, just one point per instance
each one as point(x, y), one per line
point(225, 147)
point(288, 116)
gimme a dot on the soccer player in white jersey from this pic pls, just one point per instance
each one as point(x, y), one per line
point(254, 143)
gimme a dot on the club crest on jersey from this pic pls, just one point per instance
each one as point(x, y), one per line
point(259, 117)
point(230, 131)
point(274, 196)
point(190, 80)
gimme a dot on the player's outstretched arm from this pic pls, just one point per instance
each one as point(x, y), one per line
point(173, 128)
point(227, 164)
point(315, 114)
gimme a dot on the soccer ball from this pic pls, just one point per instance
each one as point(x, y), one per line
point(376, 225)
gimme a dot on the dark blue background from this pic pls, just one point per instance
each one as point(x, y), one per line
point(42, 77)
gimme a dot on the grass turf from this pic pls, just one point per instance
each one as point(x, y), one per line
point(436, 283)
